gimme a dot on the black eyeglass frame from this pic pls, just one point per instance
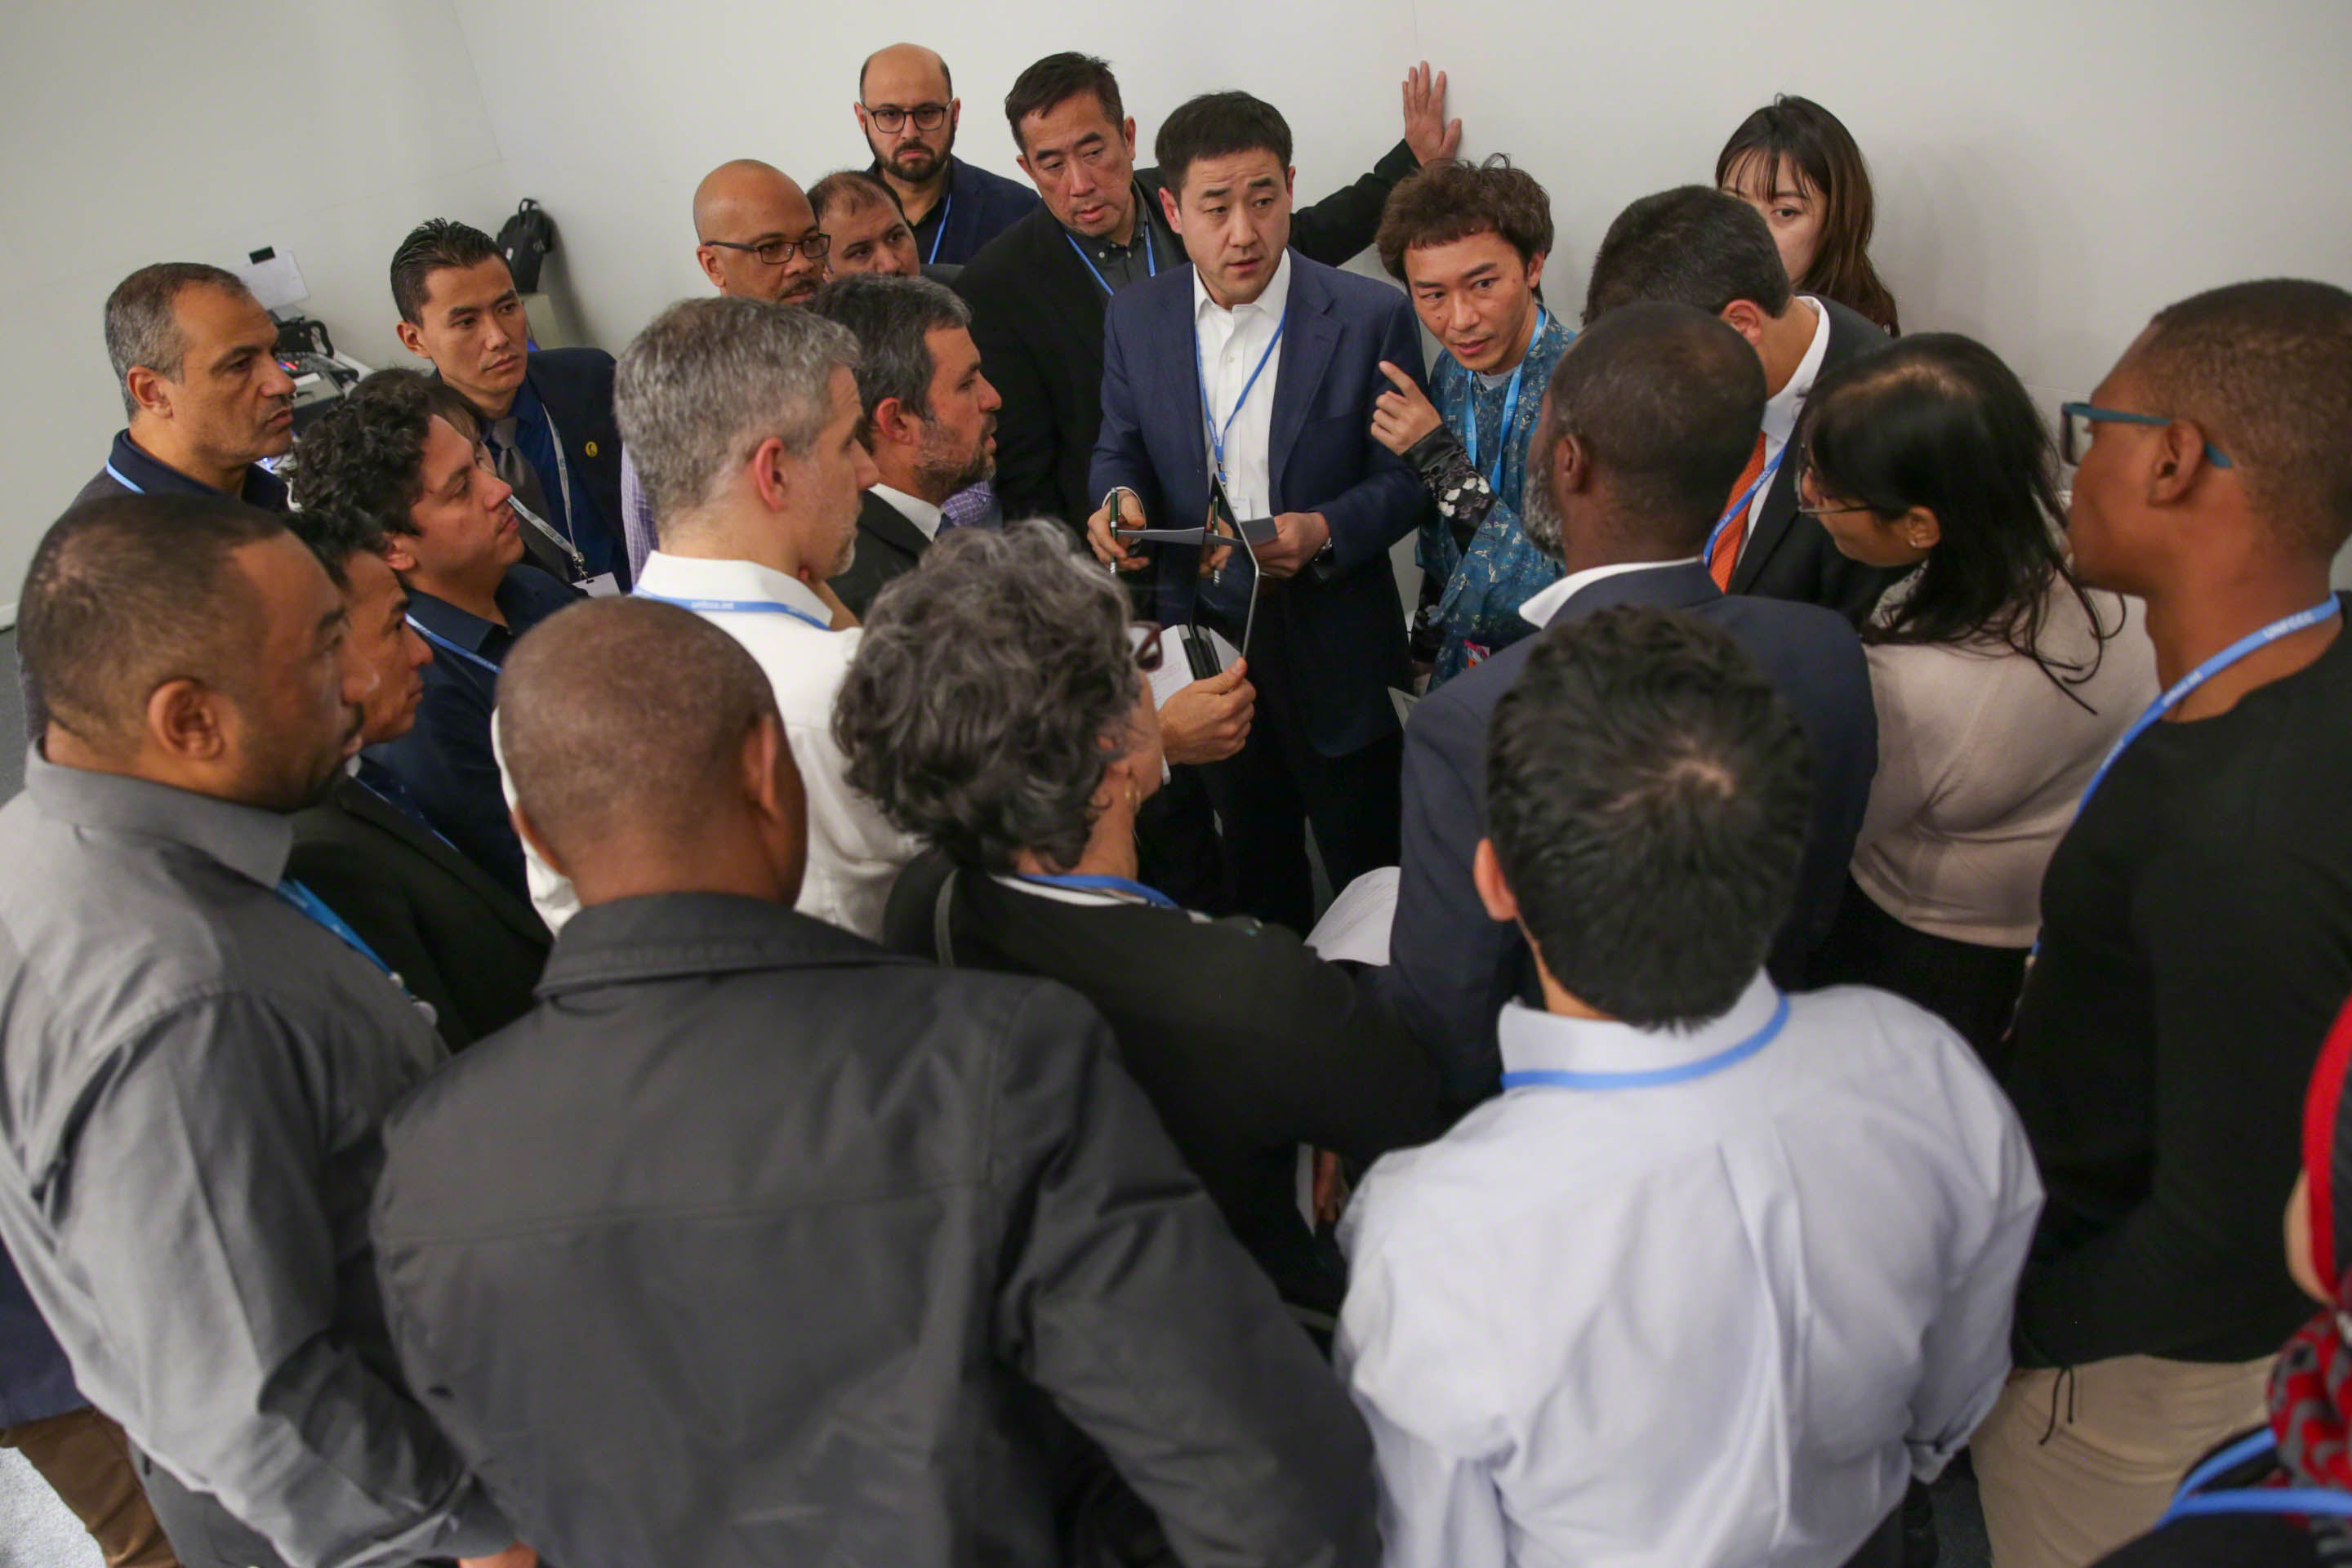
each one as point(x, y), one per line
point(815, 247)
point(890, 118)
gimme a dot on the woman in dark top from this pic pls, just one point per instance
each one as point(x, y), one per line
point(1794, 162)
point(998, 708)
point(2281, 1495)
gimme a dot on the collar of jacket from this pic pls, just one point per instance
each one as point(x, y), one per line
point(672, 936)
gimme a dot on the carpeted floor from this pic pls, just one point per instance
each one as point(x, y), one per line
point(36, 1531)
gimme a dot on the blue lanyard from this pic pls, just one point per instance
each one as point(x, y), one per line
point(1659, 1076)
point(940, 234)
point(735, 606)
point(310, 904)
point(2191, 1499)
point(1510, 412)
point(1218, 437)
point(1133, 890)
point(1151, 262)
point(124, 479)
point(1746, 496)
point(438, 640)
point(2286, 627)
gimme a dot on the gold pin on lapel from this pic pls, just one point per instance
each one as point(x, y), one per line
point(590, 449)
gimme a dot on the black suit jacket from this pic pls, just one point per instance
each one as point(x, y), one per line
point(1038, 317)
point(576, 385)
point(977, 206)
point(1451, 968)
point(1792, 557)
point(457, 938)
point(888, 546)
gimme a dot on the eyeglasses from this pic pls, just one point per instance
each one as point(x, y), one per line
point(1143, 636)
point(1807, 504)
point(2075, 419)
point(776, 252)
point(890, 118)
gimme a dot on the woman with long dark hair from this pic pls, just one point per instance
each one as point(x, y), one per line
point(1794, 162)
point(2000, 681)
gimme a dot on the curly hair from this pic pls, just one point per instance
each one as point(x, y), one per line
point(1451, 200)
point(989, 695)
point(365, 455)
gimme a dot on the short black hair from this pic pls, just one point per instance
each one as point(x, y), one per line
point(1450, 200)
point(127, 592)
point(1666, 401)
point(1646, 796)
point(1692, 244)
point(365, 456)
point(142, 319)
point(2265, 370)
point(334, 536)
point(1054, 81)
point(1218, 125)
point(434, 246)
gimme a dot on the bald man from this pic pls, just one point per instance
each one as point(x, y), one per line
point(867, 1244)
point(907, 107)
point(756, 234)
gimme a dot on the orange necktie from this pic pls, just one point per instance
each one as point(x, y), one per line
point(1726, 554)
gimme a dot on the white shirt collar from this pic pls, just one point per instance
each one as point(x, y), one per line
point(1539, 610)
point(1781, 410)
point(914, 508)
point(695, 577)
point(1272, 303)
point(1549, 1042)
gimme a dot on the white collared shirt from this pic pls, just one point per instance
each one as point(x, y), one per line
point(914, 508)
point(1783, 407)
point(855, 855)
point(1232, 343)
point(1540, 609)
point(1721, 1320)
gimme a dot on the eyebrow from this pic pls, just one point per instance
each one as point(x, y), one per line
point(330, 623)
point(1789, 197)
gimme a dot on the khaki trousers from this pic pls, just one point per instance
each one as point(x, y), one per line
point(2073, 1464)
point(87, 1462)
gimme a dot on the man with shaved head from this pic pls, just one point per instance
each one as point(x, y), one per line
point(196, 1052)
point(756, 234)
point(890, 1257)
point(907, 107)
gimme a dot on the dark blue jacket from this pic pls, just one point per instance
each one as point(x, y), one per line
point(35, 1383)
point(977, 208)
point(574, 388)
point(1345, 629)
point(131, 471)
point(1451, 968)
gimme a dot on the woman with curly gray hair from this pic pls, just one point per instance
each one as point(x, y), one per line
point(998, 708)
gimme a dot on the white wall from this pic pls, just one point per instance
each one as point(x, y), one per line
point(2048, 175)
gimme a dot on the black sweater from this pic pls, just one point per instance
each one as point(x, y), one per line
point(2196, 943)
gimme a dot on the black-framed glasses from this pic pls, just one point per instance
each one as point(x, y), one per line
point(890, 118)
point(776, 252)
point(1802, 510)
point(1143, 638)
point(2075, 419)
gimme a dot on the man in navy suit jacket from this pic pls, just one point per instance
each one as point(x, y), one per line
point(1650, 417)
point(1286, 355)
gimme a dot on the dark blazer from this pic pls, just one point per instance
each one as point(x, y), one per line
point(457, 939)
point(576, 386)
point(1792, 557)
point(37, 1381)
point(888, 546)
point(129, 471)
point(1246, 1042)
point(885, 1248)
point(1038, 317)
point(1345, 627)
point(977, 206)
point(1451, 968)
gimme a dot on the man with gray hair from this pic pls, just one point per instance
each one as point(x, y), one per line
point(194, 357)
point(745, 422)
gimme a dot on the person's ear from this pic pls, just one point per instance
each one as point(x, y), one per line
point(1572, 464)
point(707, 258)
point(188, 721)
point(1486, 872)
point(400, 552)
point(146, 389)
point(1535, 271)
point(771, 474)
point(529, 833)
point(955, 116)
point(1168, 205)
point(412, 338)
point(1748, 319)
point(891, 422)
point(1918, 528)
point(1127, 134)
point(859, 110)
point(2179, 449)
point(1290, 183)
point(773, 788)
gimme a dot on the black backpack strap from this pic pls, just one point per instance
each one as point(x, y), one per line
point(942, 919)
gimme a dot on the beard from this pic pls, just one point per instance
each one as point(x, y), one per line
point(917, 163)
point(947, 471)
point(1539, 518)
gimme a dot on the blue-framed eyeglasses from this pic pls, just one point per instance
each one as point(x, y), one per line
point(2075, 419)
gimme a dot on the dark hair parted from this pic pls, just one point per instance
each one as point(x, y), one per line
point(1693, 245)
point(624, 719)
point(1054, 81)
point(2265, 370)
point(365, 455)
point(1666, 400)
point(1218, 125)
point(434, 246)
point(1646, 794)
point(1938, 421)
point(1798, 143)
point(335, 536)
point(991, 691)
point(893, 320)
point(128, 592)
point(142, 319)
point(1451, 200)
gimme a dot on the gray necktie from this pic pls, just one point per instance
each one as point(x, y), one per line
point(514, 468)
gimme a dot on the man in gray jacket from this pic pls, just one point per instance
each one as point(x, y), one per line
point(756, 1244)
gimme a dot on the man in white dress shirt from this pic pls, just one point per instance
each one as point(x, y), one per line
point(748, 423)
point(1722, 1270)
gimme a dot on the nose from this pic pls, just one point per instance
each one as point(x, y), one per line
point(990, 402)
point(499, 492)
point(359, 675)
point(862, 466)
point(419, 651)
point(1460, 314)
point(275, 382)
